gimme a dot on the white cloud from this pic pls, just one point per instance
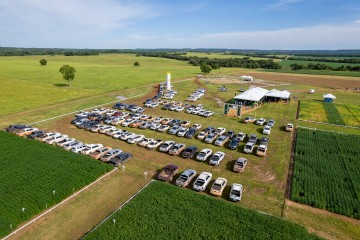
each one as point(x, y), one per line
point(330, 36)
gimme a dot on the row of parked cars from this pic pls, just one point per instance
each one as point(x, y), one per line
point(201, 182)
point(196, 95)
point(97, 151)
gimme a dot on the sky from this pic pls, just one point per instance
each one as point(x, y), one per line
point(233, 24)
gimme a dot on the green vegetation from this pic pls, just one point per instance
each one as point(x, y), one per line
point(319, 111)
point(31, 171)
point(326, 171)
point(316, 72)
point(333, 114)
point(43, 62)
point(166, 211)
point(68, 73)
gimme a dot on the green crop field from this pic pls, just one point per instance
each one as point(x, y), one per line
point(29, 173)
point(316, 72)
point(287, 63)
point(341, 114)
point(326, 171)
point(164, 211)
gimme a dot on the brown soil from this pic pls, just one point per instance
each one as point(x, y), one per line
point(314, 80)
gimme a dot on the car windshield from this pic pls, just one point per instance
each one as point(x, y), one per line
point(168, 170)
point(199, 182)
point(183, 178)
point(248, 146)
point(240, 164)
point(215, 158)
point(236, 193)
point(216, 186)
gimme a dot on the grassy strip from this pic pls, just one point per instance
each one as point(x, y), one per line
point(326, 170)
point(333, 114)
point(348, 115)
point(29, 173)
point(313, 111)
point(316, 72)
point(165, 211)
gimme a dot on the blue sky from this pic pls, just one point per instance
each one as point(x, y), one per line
point(243, 24)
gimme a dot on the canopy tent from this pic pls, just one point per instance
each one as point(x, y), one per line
point(329, 97)
point(255, 94)
point(278, 94)
point(247, 78)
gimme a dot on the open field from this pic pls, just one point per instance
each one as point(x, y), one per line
point(29, 179)
point(152, 214)
point(326, 171)
point(319, 111)
point(316, 72)
point(287, 63)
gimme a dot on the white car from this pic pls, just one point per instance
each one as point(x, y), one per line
point(249, 147)
point(155, 126)
point(202, 181)
point(78, 148)
point(90, 148)
point(189, 110)
point(154, 144)
point(110, 119)
point(70, 145)
point(158, 120)
point(82, 114)
point(56, 138)
point(182, 131)
point(242, 136)
point(104, 129)
point(126, 136)
point(163, 128)
point(110, 112)
point(267, 130)
point(65, 141)
point(165, 147)
point(208, 114)
point(217, 158)
point(135, 139)
point(236, 192)
point(220, 131)
point(117, 134)
point(197, 126)
point(145, 142)
point(204, 154)
point(127, 122)
point(179, 108)
point(185, 178)
point(260, 121)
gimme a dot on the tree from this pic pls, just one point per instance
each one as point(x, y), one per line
point(68, 73)
point(205, 68)
point(136, 64)
point(43, 62)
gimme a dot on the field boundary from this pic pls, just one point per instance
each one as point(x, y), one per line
point(331, 124)
point(119, 208)
point(59, 204)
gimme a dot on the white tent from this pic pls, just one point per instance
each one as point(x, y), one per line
point(253, 94)
point(247, 78)
point(278, 94)
point(329, 95)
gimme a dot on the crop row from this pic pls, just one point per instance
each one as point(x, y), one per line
point(333, 114)
point(326, 171)
point(34, 176)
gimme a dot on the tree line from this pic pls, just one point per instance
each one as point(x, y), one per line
point(321, 66)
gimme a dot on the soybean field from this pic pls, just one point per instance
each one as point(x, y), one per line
point(326, 171)
point(164, 211)
point(34, 176)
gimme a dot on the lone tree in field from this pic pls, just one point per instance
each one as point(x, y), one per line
point(68, 73)
point(43, 62)
point(136, 64)
point(205, 68)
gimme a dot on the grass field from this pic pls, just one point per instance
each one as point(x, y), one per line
point(316, 72)
point(326, 171)
point(287, 63)
point(165, 211)
point(29, 179)
point(341, 114)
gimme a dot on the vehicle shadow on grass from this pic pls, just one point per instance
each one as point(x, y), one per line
point(230, 165)
point(259, 130)
point(282, 128)
point(60, 85)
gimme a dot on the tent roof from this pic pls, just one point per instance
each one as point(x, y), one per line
point(329, 95)
point(253, 94)
point(278, 94)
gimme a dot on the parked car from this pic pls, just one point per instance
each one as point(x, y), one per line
point(202, 135)
point(253, 138)
point(220, 141)
point(264, 141)
point(182, 131)
point(176, 149)
point(235, 192)
point(154, 144)
point(174, 130)
point(202, 181)
point(289, 127)
point(230, 133)
point(78, 148)
point(168, 172)
point(99, 152)
point(220, 131)
point(166, 120)
point(135, 139)
point(249, 120)
point(185, 178)
point(262, 150)
point(145, 125)
point(208, 114)
point(189, 152)
point(190, 133)
point(267, 130)
point(110, 154)
point(210, 138)
point(155, 126)
point(249, 147)
point(260, 121)
point(163, 128)
point(218, 186)
point(174, 122)
point(240, 164)
point(165, 147)
point(70, 145)
point(271, 123)
point(26, 131)
point(197, 126)
point(242, 136)
point(47, 136)
point(90, 148)
point(217, 158)
point(204, 154)
point(65, 141)
point(56, 138)
point(145, 142)
point(234, 143)
point(120, 159)
point(209, 129)
point(104, 129)
point(126, 136)
point(36, 134)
